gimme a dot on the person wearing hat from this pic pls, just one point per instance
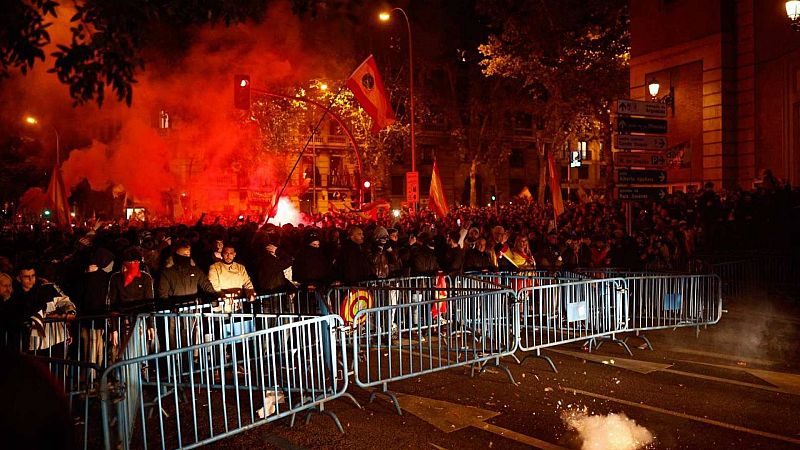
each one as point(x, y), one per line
point(127, 287)
point(311, 267)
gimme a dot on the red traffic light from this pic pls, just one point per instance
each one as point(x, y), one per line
point(241, 91)
point(367, 184)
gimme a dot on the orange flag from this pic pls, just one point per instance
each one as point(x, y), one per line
point(555, 185)
point(367, 85)
point(57, 198)
point(436, 198)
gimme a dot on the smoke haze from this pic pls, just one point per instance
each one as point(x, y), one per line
point(192, 82)
point(611, 432)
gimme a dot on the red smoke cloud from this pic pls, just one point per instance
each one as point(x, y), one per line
point(206, 140)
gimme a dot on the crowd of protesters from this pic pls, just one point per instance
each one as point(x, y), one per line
point(104, 266)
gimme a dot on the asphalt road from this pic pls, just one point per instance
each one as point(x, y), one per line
point(736, 385)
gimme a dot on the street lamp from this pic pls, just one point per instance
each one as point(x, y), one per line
point(793, 12)
point(30, 120)
point(384, 17)
point(653, 87)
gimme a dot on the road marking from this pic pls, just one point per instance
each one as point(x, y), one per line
point(635, 365)
point(449, 417)
point(685, 416)
point(763, 362)
point(729, 381)
point(785, 382)
point(788, 382)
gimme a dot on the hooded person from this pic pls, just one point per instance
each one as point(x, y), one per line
point(312, 266)
point(379, 255)
point(128, 287)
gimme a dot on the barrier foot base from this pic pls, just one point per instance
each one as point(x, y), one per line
point(544, 357)
point(519, 363)
point(499, 366)
point(321, 410)
point(391, 396)
point(353, 399)
point(647, 343)
point(597, 342)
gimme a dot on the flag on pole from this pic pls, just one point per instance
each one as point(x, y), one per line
point(436, 198)
point(555, 185)
point(367, 85)
point(57, 198)
point(273, 207)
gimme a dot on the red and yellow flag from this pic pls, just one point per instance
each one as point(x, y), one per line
point(555, 185)
point(436, 198)
point(367, 85)
point(57, 197)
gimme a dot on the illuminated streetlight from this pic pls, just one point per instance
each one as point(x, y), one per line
point(793, 12)
point(30, 120)
point(385, 16)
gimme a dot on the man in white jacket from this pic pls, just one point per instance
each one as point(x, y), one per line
point(231, 279)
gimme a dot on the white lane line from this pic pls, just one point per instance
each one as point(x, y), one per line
point(685, 416)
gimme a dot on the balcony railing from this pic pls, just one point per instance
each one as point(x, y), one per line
point(340, 181)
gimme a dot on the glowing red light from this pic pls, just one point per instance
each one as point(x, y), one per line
point(243, 83)
point(367, 184)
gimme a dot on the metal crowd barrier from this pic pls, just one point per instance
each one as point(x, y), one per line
point(671, 301)
point(408, 339)
point(584, 310)
point(76, 352)
point(191, 396)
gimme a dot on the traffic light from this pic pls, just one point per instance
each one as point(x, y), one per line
point(241, 91)
point(367, 191)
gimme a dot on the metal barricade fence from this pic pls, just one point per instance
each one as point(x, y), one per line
point(412, 282)
point(76, 352)
point(394, 342)
point(182, 398)
point(669, 301)
point(584, 310)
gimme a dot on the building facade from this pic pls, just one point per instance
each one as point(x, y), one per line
point(733, 70)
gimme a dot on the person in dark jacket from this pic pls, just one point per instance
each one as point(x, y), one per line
point(182, 278)
point(311, 265)
point(128, 286)
point(453, 258)
point(94, 301)
point(354, 263)
point(478, 258)
point(271, 276)
point(423, 258)
point(378, 253)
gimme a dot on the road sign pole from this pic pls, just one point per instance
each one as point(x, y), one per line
point(628, 218)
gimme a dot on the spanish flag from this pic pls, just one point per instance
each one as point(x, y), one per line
point(555, 185)
point(367, 85)
point(57, 197)
point(436, 198)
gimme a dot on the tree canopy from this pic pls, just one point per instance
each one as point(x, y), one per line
point(570, 55)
